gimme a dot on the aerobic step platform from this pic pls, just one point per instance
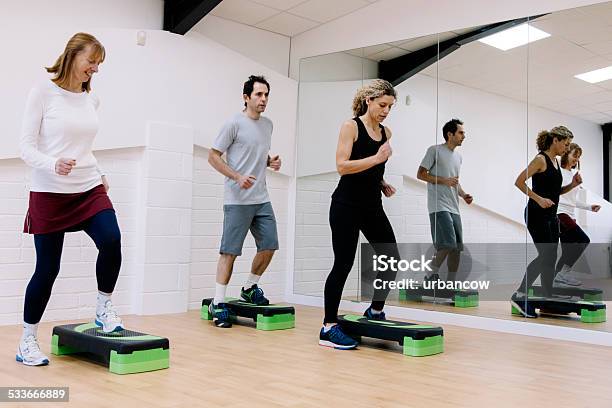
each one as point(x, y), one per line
point(124, 352)
point(270, 317)
point(460, 298)
point(417, 340)
point(588, 294)
point(589, 312)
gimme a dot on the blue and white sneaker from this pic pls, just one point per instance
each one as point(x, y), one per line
point(254, 295)
point(374, 316)
point(107, 318)
point(336, 338)
point(222, 317)
point(28, 352)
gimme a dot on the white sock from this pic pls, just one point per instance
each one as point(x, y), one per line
point(374, 311)
point(101, 303)
point(29, 330)
point(219, 293)
point(252, 280)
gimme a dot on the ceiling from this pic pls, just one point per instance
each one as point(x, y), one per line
point(395, 49)
point(541, 73)
point(287, 17)
point(580, 41)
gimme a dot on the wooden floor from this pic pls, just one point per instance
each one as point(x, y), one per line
point(244, 367)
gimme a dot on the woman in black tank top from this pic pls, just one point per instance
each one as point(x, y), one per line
point(541, 212)
point(363, 189)
point(363, 149)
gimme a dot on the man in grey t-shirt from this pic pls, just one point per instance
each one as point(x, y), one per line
point(245, 139)
point(440, 169)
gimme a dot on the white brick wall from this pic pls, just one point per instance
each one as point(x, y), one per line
point(74, 293)
point(313, 249)
point(165, 220)
point(207, 227)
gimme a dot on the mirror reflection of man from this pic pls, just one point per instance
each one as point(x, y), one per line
point(440, 170)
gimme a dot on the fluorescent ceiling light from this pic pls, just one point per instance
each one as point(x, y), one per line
point(514, 37)
point(596, 76)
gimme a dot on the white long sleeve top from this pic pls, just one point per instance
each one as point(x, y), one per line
point(59, 123)
point(568, 202)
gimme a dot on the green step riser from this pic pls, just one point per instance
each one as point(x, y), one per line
point(466, 301)
point(598, 316)
point(137, 362)
point(586, 316)
point(204, 315)
point(140, 356)
point(146, 360)
point(275, 326)
point(278, 322)
point(426, 347)
point(139, 368)
point(58, 350)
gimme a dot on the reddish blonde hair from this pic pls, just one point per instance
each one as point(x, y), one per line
point(64, 64)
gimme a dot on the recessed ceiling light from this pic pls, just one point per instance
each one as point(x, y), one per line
point(599, 75)
point(514, 37)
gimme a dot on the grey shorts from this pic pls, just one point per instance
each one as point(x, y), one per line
point(238, 219)
point(446, 230)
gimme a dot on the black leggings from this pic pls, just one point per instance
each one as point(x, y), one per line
point(544, 231)
point(346, 222)
point(573, 243)
point(104, 231)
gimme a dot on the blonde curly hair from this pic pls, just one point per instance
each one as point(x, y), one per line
point(373, 90)
point(546, 137)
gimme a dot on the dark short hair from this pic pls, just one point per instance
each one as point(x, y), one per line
point(247, 89)
point(450, 126)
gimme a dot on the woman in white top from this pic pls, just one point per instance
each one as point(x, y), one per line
point(573, 239)
point(68, 191)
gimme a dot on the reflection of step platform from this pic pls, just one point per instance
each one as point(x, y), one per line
point(460, 298)
point(270, 317)
point(588, 294)
point(417, 340)
point(589, 312)
point(124, 352)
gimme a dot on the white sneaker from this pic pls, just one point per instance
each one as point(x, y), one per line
point(28, 352)
point(565, 279)
point(108, 319)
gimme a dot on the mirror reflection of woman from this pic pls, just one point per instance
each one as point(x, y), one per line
point(573, 239)
point(363, 149)
point(68, 191)
point(541, 211)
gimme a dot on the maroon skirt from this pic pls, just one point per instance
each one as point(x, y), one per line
point(566, 223)
point(52, 212)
